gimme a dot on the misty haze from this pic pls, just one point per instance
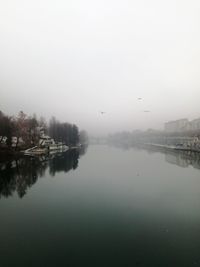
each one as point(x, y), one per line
point(99, 133)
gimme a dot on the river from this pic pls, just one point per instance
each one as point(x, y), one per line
point(102, 207)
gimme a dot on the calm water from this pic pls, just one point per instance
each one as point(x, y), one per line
point(109, 207)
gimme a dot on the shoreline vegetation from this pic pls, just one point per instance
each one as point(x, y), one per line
point(23, 132)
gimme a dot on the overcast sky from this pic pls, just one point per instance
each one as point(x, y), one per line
point(74, 58)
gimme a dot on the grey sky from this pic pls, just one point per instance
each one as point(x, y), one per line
point(74, 58)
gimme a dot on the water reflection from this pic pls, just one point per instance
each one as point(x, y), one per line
point(20, 174)
point(182, 159)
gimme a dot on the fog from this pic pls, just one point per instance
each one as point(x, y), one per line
point(75, 59)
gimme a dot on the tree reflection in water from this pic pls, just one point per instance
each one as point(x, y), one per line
point(20, 174)
point(64, 162)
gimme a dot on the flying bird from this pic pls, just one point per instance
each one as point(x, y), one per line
point(139, 98)
point(102, 112)
point(146, 111)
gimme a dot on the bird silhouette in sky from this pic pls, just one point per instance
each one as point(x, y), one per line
point(139, 98)
point(102, 112)
point(146, 111)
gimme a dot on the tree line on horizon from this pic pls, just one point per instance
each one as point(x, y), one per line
point(26, 130)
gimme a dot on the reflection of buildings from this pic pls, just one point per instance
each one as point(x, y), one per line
point(184, 159)
point(19, 175)
point(176, 159)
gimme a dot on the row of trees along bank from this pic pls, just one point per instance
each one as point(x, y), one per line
point(23, 131)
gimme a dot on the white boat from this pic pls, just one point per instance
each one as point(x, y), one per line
point(39, 150)
point(46, 145)
point(49, 143)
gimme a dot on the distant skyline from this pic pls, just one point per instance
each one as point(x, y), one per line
point(76, 59)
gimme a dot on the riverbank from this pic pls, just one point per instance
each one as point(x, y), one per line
point(171, 147)
point(11, 154)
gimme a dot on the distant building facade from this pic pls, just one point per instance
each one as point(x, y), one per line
point(176, 126)
point(182, 125)
point(195, 124)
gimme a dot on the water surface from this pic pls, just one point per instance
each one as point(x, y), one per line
point(110, 207)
